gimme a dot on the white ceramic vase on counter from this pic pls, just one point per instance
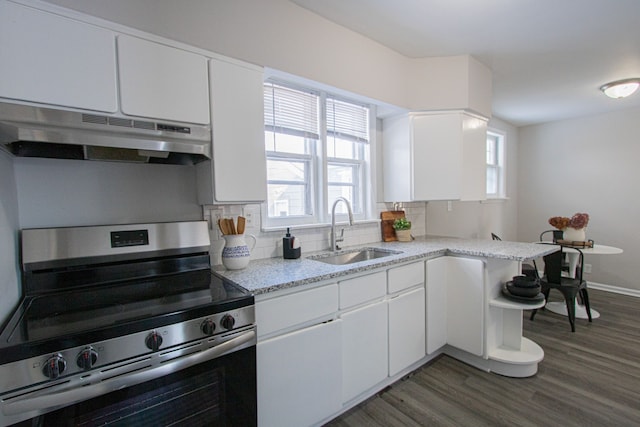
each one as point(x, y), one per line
point(236, 253)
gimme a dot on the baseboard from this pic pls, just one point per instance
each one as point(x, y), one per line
point(614, 289)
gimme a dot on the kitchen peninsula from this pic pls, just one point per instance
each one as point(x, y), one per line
point(331, 336)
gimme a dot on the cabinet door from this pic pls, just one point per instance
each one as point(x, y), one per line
point(406, 329)
point(162, 82)
point(465, 304)
point(238, 170)
point(436, 156)
point(405, 277)
point(474, 161)
point(55, 60)
point(299, 376)
point(436, 289)
point(364, 349)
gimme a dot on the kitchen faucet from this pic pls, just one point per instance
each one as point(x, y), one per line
point(334, 240)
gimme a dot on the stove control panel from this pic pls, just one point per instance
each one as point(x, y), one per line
point(84, 359)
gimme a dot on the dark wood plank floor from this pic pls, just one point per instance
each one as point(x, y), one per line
point(587, 378)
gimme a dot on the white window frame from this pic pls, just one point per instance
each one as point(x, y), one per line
point(498, 164)
point(318, 172)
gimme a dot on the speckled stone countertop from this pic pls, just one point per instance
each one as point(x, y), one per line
point(272, 274)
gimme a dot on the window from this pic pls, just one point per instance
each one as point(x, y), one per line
point(495, 165)
point(318, 149)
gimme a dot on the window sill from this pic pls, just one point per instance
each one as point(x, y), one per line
point(500, 199)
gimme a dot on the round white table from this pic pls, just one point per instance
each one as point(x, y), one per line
point(572, 256)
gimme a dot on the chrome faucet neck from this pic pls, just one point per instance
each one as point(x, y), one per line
point(334, 240)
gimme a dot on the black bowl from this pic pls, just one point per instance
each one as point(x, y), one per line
point(525, 281)
point(529, 291)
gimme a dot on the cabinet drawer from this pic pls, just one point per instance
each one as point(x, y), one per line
point(361, 289)
point(289, 310)
point(406, 276)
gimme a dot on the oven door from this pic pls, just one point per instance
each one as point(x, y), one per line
point(219, 391)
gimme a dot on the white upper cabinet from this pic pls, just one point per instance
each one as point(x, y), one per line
point(434, 156)
point(54, 60)
point(162, 82)
point(238, 171)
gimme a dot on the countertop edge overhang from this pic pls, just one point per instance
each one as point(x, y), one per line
point(273, 274)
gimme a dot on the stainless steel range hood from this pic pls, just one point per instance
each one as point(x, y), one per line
point(27, 131)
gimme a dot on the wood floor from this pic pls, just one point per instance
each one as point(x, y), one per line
point(587, 378)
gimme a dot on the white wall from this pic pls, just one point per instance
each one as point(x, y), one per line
point(59, 193)
point(480, 219)
point(9, 289)
point(586, 165)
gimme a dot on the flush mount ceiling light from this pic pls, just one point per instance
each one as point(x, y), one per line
point(620, 88)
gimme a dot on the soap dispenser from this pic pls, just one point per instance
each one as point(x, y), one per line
point(289, 251)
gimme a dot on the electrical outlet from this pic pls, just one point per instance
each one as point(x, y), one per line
point(587, 269)
point(216, 214)
point(252, 216)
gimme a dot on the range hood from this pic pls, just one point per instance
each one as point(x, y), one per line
point(28, 131)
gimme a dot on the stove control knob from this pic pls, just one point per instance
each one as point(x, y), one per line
point(87, 359)
point(153, 341)
point(54, 367)
point(227, 321)
point(207, 327)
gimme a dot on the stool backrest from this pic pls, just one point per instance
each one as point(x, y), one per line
point(553, 265)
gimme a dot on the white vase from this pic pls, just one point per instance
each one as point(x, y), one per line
point(236, 253)
point(574, 234)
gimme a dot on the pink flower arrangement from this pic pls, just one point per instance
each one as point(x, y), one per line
point(577, 221)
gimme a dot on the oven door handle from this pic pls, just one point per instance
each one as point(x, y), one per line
point(64, 398)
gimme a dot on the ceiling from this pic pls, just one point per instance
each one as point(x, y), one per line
point(548, 57)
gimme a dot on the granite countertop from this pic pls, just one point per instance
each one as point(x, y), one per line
point(272, 274)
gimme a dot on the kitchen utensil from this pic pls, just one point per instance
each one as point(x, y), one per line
point(387, 218)
point(241, 224)
point(222, 225)
point(232, 226)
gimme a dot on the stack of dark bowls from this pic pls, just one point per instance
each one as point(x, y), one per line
point(524, 286)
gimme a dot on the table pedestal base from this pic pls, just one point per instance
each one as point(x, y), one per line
point(561, 308)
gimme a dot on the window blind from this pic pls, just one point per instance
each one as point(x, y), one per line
point(291, 111)
point(347, 121)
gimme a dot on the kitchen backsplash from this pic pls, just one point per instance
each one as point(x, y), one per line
point(311, 239)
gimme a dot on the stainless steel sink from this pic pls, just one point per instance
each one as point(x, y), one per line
point(353, 256)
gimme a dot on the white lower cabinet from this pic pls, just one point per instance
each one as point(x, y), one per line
point(465, 304)
point(323, 349)
point(455, 304)
point(436, 292)
point(299, 376)
point(299, 357)
point(406, 329)
point(364, 349)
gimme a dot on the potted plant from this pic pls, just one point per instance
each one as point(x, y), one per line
point(573, 228)
point(402, 226)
